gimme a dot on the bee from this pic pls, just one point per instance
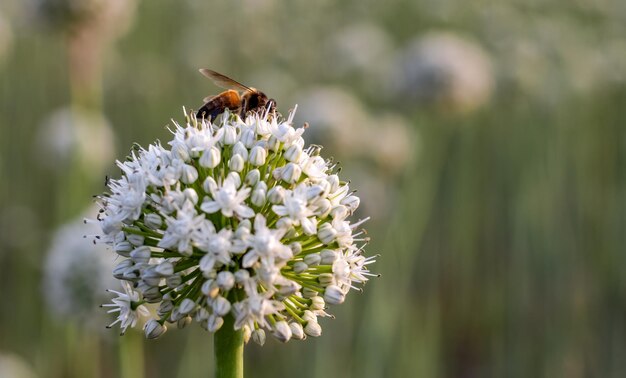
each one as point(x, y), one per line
point(250, 100)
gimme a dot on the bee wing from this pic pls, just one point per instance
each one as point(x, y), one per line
point(208, 98)
point(224, 81)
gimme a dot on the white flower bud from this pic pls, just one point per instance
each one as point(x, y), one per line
point(225, 280)
point(209, 185)
point(308, 293)
point(210, 158)
point(334, 182)
point(118, 271)
point(323, 207)
point(339, 212)
point(174, 281)
point(282, 331)
point(277, 173)
point(236, 163)
point(258, 195)
point(326, 233)
point(190, 195)
point(154, 329)
point(201, 314)
point(351, 202)
point(152, 221)
point(326, 279)
point(312, 329)
point(240, 149)
point(291, 173)
point(257, 156)
point(131, 274)
point(312, 259)
point(328, 256)
point(293, 153)
point(151, 277)
point(221, 306)
point(141, 255)
point(183, 322)
point(214, 323)
point(300, 267)
point(175, 316)
point(186, 306)
point(241, 276)
point(165, 269)
point(309, 316)
point(297, 332)
point(334, 295)
point(248, 138)
point(235, 178)
point(276, 195)
point(230, 135)
point(210, 288)
point(296, 248)
point(289, 288)
point(189, 174)
point(252, 177)
point(165, 307)
point(123, 248)
point(135, 239)
point(258, 336)
point(314, 192)
point(273, 143)
point(317, 303)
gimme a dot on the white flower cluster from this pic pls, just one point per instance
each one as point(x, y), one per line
point(237, 218)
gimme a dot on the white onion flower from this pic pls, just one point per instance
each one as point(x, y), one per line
point(238, 219)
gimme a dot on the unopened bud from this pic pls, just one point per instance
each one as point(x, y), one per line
point(312, 329)
point(154, 329)
point(282, 331)
point(236, 163)
point(297, 332)
point(257, 156)
point(210, 158)
point(326, 233)
point(258, 336)
point(334, 295)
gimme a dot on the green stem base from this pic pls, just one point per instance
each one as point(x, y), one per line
point(228, 347)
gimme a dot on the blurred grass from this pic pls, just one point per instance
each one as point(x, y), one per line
point(502, 249)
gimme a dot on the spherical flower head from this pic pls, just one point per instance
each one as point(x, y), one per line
point(236, 218)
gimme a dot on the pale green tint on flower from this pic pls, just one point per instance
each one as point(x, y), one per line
point(233, 217)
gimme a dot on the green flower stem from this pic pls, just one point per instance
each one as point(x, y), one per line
point(228, 347)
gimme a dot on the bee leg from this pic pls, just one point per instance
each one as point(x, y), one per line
point(209, 112)
point(244, 108)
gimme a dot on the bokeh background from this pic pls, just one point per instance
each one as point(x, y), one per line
point(487, 140)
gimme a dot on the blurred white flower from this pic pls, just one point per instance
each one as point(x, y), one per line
point(69, 134)
point(339, 121)
point(13, 366)
point(336, 118)
point(227, 251)
point(76, 275)
point(362, 47)
point(445, 70)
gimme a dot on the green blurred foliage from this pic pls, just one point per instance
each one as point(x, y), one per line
point(501, 233)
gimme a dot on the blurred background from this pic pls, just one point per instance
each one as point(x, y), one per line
point(485, 139)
